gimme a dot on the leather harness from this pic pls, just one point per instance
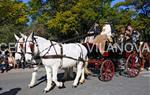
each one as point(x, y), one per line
point(56, 56)
point(61, 56)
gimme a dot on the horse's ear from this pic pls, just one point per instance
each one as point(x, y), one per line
point(17, 38)
point(31, 36)
point(24, 36)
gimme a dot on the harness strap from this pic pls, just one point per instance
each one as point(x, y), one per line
point(61, 49)
point(64, 56)
point(19, 52)
point(53, 47)
point(81, 54)
point(60, 56)
point(29, 53)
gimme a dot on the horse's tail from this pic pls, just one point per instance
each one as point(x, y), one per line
point(86, 70)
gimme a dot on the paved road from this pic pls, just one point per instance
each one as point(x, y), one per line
point(15, 83)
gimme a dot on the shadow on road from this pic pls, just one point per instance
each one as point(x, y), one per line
point(40, 80)
point(13, 91)
point(60, 78)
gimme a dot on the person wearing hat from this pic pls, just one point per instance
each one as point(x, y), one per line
point(90, 37)
point(96, 28)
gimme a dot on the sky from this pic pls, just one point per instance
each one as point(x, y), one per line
point(114, 2)
point(25, 1)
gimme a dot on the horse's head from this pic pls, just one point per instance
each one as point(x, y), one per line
point(19, 47)
point(30, 47)
point(34, 47)
point(19, 43)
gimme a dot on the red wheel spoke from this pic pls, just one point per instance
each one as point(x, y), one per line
point(107, 71)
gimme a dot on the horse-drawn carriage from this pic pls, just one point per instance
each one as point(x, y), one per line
point(57, 55)
point(113, 59)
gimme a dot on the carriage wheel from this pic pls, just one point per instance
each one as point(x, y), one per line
point(132, 66)
point(106, 71)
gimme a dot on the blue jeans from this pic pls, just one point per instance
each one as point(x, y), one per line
point(3, 66)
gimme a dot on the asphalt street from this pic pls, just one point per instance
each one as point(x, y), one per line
point(15, 83)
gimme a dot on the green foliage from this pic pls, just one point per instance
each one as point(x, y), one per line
point(13, 18)
point(138, 13)
point(7, 32)
point(12, 12)
point(63, 19)
point(75, 16)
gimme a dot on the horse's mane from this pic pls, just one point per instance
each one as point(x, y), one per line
point(43, 39)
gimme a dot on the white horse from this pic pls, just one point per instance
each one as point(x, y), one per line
point(55, 56)
point(19, 49)
point(35, 62)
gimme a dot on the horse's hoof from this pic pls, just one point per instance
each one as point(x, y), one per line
point(81, 82)
point(60, 85)
point(30, 86)
point(63, 86)
point(45, 91)
point(74, 86)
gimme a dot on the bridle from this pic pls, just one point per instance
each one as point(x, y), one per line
point(32, 45)
point(20, 46)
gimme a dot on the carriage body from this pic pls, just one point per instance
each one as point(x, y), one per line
point(108, 63)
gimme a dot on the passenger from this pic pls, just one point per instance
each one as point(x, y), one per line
point(92, 34)
point(104, 36)
point(128, 32)
point(90, 37)
point(135, 36)
point(122, 35)
point(106, 30)
point(96, 29)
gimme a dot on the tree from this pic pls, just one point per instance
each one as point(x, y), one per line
point(140, 19)
point(13, 19)
point(64, 19)
point(74, 17)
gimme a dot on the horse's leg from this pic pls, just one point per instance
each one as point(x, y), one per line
point(49, 79)
point(55, 72)
point(87, 71)
point(79, 71)
point(34, 74)
point(82, 77)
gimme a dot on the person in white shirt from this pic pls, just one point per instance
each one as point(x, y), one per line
point(106, 30)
